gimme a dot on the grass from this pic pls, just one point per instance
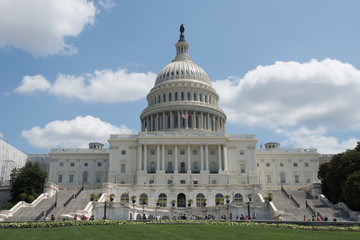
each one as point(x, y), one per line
point(172, 231)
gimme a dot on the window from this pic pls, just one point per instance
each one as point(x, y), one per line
point(282, 177)
point(200, 200)
point(98, 178)
point(124, 198)
point(195, 166)
point(72, 164)
point(242, 168)
point(306, 164)
point(242, 152)
point(71, 178)
point(123, 152)
point(195, 152)
point(60, 178)
point(162, 200)
point(295, 164)
point(99, 164)
point(176, 96)
point(296, 178)
point(85, 177)
point(268, 178)
point(268, 164)
point(182, 181)
point(200, 97)
point(61, 164)
point(164, 98)
point(86, 164)
point(194, 97)
point(170, 167)
point(152, 167)
point(169, 181)
point(182, 152)
point(122, 182)
point(152, 152)
point(257, 164)
point(213, 181)
point(281, 164)
point(219, 197)
point(188, 96)
point(212, 166)
point(307, 180)
point(169, 152)
point(123, 168)
point(212, 152)
point(151, 181)
point(159, 99)
point(182, 167)
point(182, 96)
point(238, 199)
point(169, 96)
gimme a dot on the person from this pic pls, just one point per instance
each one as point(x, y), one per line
point(46, 218)
point(144, 216)
point(174, 216)
point(304, 217)
point(92, 217)
point(318, 218)
point(83, 217)
point(254, 216)
point(75, 217)
point(52, 217)
point(326, 219)
point(313, 218)
point(334, 219)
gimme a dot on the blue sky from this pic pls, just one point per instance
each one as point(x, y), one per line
point(74, 71)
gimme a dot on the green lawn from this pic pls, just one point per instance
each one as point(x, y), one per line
point(173, 231)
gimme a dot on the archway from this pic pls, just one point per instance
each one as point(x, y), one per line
point(181, 200)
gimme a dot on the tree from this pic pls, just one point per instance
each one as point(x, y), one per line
point(27, 182)
point(352, 191)
point(334, 175)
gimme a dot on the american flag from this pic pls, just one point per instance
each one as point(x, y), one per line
point(185, 115)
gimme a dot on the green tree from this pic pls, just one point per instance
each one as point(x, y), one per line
point(352, 191)
point(334, 175)
point(27, 182)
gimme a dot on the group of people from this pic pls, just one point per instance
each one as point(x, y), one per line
point(318, 218)
point(83, 217)
point(47, 218)
point(245, 218)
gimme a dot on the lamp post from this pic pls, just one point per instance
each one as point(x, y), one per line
point(248, 203)
point(105, 209)
point(56, 195)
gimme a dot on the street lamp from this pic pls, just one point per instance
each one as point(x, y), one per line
point(248, 203)
point(56, 195)
point(105, 209)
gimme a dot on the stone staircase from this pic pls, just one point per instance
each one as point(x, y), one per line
point(325, 211)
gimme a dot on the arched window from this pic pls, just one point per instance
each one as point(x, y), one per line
point(85, 177)
point(282, 177)
point(124, 199)
point(238, 199)
point(152, 167)
point(188, 96)
point(182, 167)
point(200, 200)
point(219, 197)
point(162, 200)
point(143, 200)
point(170, 167)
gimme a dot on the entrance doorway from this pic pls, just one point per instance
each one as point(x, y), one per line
point(181, 200)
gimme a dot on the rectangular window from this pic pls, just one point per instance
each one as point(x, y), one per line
point(123, 166)
point(306, 164)
point(307, 180)
point(268, 164)
point(182, 152)
point(99, 164)
point(242, 167)
point(169, 181)
point(213, 181)
point(60, 178)
point(242, 152)
point(268, 178)
point(194, 97)
point(169, 96)
point(123, 152)
point(188, 97)
point(212, 152)
point(295, 164)
point(61, 164)
point(152, 152)
point(71, 178)
point(169, 152)
point(98, 178)
point(296, 178)
point(72, 164)
point(164, 98)
point(200, 97)
point(176, 97)
point(195, 152)
point(151, 181)
point(122, 182)
point(182, 181)
point(182, 96)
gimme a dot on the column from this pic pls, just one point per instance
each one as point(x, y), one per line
point(176, 160)
point(152, 123)
point(145, 157)
point(220, 161)
point(201, 121)
point(202, 158)
point(179, 119)
point(189, 164)
point(171, 120)
point(218, 124)
point(225, 159)
point(213, 125)
point(157, 122)
point(194, 120)
point(186, 123)
point(163, 157)
point(163, 121)
point(208, 122)
point(139, 158)
point(207, 157)
point(158, 158)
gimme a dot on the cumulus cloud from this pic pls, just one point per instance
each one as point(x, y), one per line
point(106, 4)
point(77, 132)
point(1, 135)
point(41, 26)
point(306, 138)
point(102, 86)
point(294, 94)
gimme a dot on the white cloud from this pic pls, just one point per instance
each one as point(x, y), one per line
point(294, 94)
point(32, 84)
point(1, 135)
point(106, 4)
point(306, 138)
point(102, 86)
point(41, 26)
point(78, 132)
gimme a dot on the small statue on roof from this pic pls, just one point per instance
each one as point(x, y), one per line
point(182, 29)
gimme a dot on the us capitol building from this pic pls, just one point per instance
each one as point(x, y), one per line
point(182, 153)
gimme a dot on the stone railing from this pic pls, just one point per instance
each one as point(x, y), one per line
point(326, 201)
